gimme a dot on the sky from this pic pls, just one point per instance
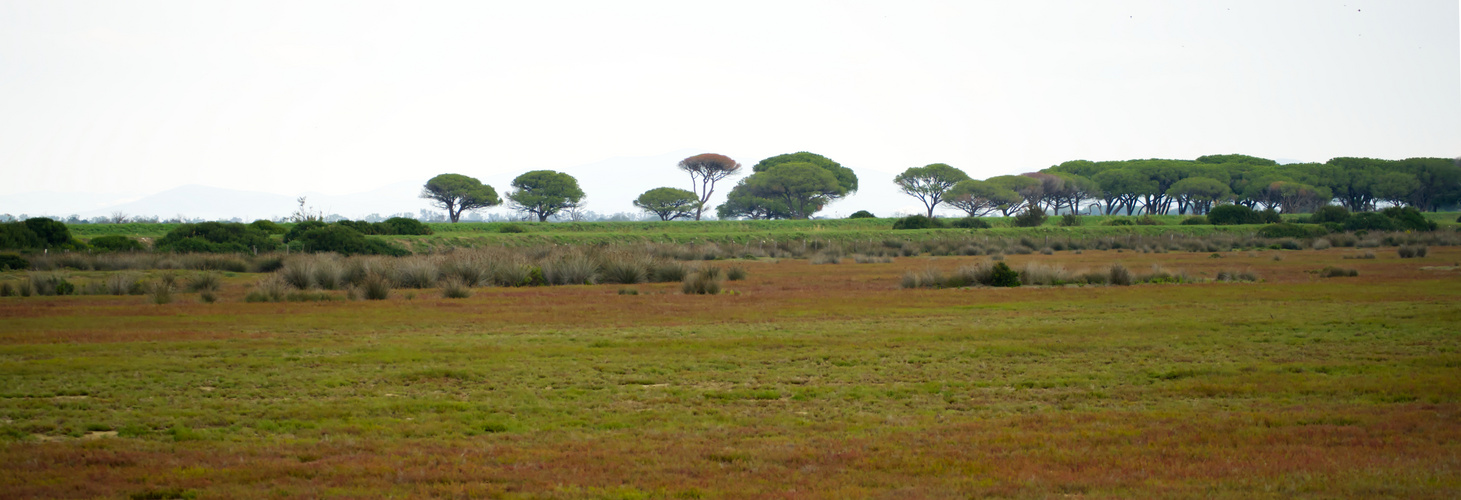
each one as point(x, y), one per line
point(126, 99)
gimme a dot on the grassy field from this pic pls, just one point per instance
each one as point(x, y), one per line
point(806, 381)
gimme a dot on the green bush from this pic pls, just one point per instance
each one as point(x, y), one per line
point(268, 226)
point(1197, 220)
point(1287, 230)
point(300, 228)
point(971, 223)
point(918, 222)
point(115, 243)
point(1269, 216)
point(1370, 221)
point(862, 214)
point(512, 228)
point(346, 241)
point(1226, 215)
point(406, 227)
point(1033, 217)
point(1329, 213)
point(39, 232)
point(215, 237)
point(13, 262)
point(1002, 275)
point(1119, 222)
point(1148, 220)
point(1070, 220)
point(1409, 218)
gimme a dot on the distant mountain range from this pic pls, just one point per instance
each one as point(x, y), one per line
point(611, 186)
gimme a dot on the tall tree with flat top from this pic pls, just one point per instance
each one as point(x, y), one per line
point(544, 193)
point(705, 170)
point(457, 193)
point(929, 183)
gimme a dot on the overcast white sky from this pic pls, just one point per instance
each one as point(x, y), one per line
point(336, 97)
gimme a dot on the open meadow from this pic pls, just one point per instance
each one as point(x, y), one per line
point(802, 380)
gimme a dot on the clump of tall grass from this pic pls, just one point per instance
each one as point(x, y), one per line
point(705, 281)
point(1159, 275)
point(454, 288)
point(735, 273)
point(161, 292)
point(124, 283)
point(1367, 254)
point(7, 290)
point(50, 283)
point(207, 297)
point(327, 274)
point(1337, 272)
point(870, 259)
point(1228, 275)
point(375, 287)
point(205, 282)
point(268, 289)
point(416, 273)
point(299, 274)
point(623, 270)
point(570, 269)
point(668, 271)
point(1119, 275)
point(1321, 244)
point(469, 269)
point(826, 258)
point(1411, 251)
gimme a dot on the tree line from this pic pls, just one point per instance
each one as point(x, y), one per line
point(1193, 186)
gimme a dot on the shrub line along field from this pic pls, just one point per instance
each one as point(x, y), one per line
point(813, 377)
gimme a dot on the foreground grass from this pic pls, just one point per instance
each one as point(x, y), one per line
point(810, 381)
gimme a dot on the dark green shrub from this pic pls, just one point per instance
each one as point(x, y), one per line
point(512, 228)
point(268, 227)
point(1148, 220)
point(1337, 272)
point(1411, 251)
point(1370, 221)
point(16, 235)
point(1033, 217)
point(1119, 275)
point(215, 237)
point(735, 273)
point(1287, 230)
point(971, 223)
point(52, 233)
point(704, 282)
point(1119, 222)
point(1001, 275)
point(1225, 215)
point(1409, 218)
point(406, 227)
point(1197, 220)
point(10, 261)
point(1329, 213)
point(115, 243)
point(300, 228)
point(1070, 220)
point(862, 214)
point(1269, 216)
point(918, 222)
point(346, 241)
point(454, 289)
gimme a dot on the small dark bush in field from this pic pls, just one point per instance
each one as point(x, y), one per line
point(346, 241)
point(1330, 213)
point(628, 291)
point(49, 284)
point(267, 264)
point(1119, 275)
point(1001, 275)
point(164, 494)
point(454, 289)
point(1411, 251)
point(268, 289)
point(826, 258)
point(1032, 217)
point(971, 223)
point(1047, 251)
point(735, 273)
point(115, 243)
point(207, 297)
point(1070, 220)
point(862, 214)
point(1269, 216)
point(376, 287)
point(1223, 215)
point(6, 289)
point(1366, 255)
point(703, 282)
point(570, 270)
point(13, 262)
point(205, 282)
point(1337, 272)
point(512, 228)
point(1195, 221)
point(918, 222)
point(1287, 230)
point(405, 226)
point(1120, 221)
point(1321, 244)
point(1409, 218)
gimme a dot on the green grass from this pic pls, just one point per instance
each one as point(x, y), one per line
point(825, 379)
